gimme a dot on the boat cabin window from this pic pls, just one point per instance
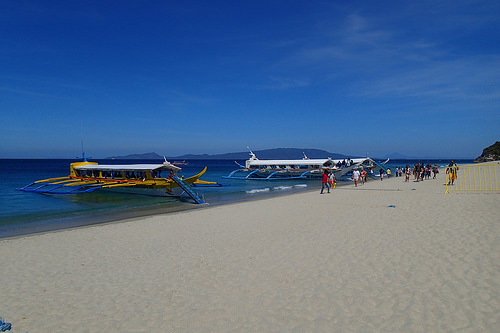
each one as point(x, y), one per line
point(93, 173)
point(135, 175)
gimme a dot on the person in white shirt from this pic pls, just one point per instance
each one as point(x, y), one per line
point(331, 180)
point(355, 176)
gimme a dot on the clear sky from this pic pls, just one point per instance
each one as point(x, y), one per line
point(421, 78)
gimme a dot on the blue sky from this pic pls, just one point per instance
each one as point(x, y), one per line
point(421, 78)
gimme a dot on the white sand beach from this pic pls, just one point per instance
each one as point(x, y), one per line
point(387, 256)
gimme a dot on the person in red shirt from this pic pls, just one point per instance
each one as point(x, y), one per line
point(324, 182)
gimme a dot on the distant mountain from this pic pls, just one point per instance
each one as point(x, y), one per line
point(277, 153)
point(398, 156)
point(145, 156)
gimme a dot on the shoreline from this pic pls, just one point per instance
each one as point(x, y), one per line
point(384, 256)
point(141, 213)
point(186, 205)
point(53, 219)
point(183, 205)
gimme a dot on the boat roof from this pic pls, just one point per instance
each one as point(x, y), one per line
point(128, 167)
point(321, 161)
point(289, 162)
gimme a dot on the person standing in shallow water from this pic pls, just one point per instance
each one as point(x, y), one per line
point(324, 182)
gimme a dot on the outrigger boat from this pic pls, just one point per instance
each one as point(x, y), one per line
point(148, 179)
point(299, 169)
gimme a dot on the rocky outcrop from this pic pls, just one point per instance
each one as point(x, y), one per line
point(492, 153)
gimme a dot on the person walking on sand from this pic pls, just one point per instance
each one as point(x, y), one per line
point(355, 176)
point(363, 176)
point(452, 172)
point(324, 182)
point(332, 180)
point(381, 173)
point(435, 170)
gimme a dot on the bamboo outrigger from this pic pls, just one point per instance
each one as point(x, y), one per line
point(304, 168)
point(149, 179)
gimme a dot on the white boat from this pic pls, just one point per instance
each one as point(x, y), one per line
point(304, 168)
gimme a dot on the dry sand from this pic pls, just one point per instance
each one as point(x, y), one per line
point(339, 262)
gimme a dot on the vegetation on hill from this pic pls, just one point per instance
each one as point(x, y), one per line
point(491, 153)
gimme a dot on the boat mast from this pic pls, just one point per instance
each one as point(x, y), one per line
point(253, 157)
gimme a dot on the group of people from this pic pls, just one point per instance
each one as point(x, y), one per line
point(359, 176)
point(420, 171)
point(328, 181)
point(345, 163)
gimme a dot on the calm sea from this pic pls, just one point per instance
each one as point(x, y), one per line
point(26, 213)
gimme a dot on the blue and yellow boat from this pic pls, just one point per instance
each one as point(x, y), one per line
point(148, 179)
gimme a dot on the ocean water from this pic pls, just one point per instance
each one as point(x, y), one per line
point(26, 213)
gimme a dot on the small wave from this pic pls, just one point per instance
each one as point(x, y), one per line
point(282, 188)
point(258, 190)
point(300, 185)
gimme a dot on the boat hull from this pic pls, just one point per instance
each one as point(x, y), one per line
point(155, 192)
point(275, 174)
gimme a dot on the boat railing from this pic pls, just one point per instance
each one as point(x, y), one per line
point(187, 189)
point(51, 188)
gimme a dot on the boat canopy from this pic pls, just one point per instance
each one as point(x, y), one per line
point(325, 161)
point(129, 167)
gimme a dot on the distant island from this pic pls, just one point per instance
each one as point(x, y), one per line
point(291, 153)
point(145, 156)
point(277, 153)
